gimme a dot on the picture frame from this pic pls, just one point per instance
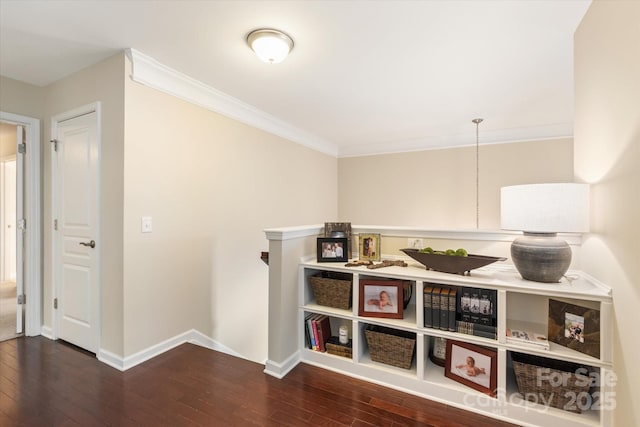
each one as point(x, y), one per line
point(339, 229)
point(472, 365)
point(381, 298)
point(369, 247)
point(332, 249)
point(574, 326)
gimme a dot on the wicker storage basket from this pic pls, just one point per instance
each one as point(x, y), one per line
point(390, 346)
point(551, 382)
point(332, 289)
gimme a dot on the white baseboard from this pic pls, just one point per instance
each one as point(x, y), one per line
point(46, 332)
point(192, 336)
point(279, 370)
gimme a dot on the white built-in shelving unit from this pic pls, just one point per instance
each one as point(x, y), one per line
point(518, 301)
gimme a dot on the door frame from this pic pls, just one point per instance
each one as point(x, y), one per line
point(32, 248)
point(76, 112)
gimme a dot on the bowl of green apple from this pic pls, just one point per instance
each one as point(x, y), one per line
point(455, 261)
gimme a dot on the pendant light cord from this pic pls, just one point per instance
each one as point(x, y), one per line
point(477, 122)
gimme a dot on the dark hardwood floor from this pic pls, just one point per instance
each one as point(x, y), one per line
point(49, 383)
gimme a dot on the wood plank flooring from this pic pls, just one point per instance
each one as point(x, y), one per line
point(50, 383)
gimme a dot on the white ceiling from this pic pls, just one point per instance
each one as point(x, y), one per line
point(364, 76)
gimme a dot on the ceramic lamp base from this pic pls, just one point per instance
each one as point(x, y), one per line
point(541, 257)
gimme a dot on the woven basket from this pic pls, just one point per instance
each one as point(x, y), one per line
point(332, 289)
point(551, 382)
point(390, 346)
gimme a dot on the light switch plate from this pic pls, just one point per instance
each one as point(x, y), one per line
point(146, 224)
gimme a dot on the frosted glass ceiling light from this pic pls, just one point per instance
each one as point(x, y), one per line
point(271, 46)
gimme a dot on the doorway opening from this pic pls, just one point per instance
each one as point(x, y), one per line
point(9, 309)
point(20, 227)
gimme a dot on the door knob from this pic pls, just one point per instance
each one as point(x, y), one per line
point(91, 244)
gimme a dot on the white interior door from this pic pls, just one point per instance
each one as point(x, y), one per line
point(76, 247)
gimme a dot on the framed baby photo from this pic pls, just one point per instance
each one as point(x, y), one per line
point(381, 298)
point(332, 249)
point(369, 247)
point(472, 366)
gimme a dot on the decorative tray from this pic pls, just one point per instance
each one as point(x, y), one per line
point(451, 263)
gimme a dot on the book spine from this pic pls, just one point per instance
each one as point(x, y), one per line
point(428, 323)
point(452, 309)
point(314, 323)
point(465, 305)
point(488, 307)
point(307, 337)
point(311, 334)
point(475, 306)
point(435, 308)
point(476, 329)
point(324, 332)
point(444, 309)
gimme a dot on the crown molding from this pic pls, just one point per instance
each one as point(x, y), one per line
point(149, 72)
point(496, 136)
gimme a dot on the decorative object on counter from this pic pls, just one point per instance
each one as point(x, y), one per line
point(568, 394)
point(390, 346)
point(264, 256)
point(381, 298)
point(369, 247)
point(336, 347)
point(472, 366)
point(438, 351)
point(371, 265)
point(332, 289)
point(343, 334)
point(358, 263)
point(332, 249)
point(541, 211)
point(451, 263)
point(388, 263)
point(574, 327)
point(339, 229)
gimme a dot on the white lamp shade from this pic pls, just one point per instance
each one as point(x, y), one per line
point(545, 208)
point(270, 46)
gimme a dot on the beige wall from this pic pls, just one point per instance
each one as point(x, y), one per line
point(21, 98)
point(102, 82)
point(437, 188)
point(211, 185)
point(607, 155)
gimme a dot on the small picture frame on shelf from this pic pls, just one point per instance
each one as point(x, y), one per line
point(574, 326)
point(381, 298)
point(332, 249)
point(369, 247)
point(471, 365)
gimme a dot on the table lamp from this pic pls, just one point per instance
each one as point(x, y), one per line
point(541, 211)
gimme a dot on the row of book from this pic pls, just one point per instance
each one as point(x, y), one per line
point(465, 310)
point(318, 331)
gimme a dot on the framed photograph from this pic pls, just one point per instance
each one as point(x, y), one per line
point(332, 249)
point(381, 298)
point(575, 327)
point(471, 365)
point(369, 247)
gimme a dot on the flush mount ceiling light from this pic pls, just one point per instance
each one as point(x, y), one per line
point(271, 46)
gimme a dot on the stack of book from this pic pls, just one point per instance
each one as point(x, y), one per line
point(318, 331)
point(440, 307)
point(465, 310)
point(477, 312)
point(527, 337)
